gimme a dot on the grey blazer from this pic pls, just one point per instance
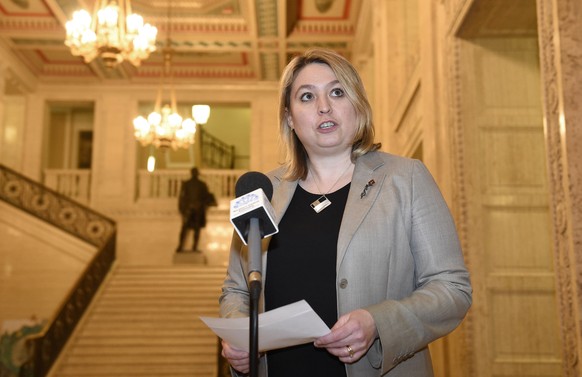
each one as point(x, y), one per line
point(398, 256)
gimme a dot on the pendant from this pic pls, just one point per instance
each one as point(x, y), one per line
point(320, 204)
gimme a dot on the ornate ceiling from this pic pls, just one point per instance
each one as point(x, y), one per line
point(213, 40)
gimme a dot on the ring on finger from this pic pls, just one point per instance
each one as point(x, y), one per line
point(350, 351)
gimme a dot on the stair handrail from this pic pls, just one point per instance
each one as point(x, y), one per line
point(215, 152)
point(81, 222)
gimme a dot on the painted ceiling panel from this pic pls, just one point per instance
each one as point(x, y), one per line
point(211, 39)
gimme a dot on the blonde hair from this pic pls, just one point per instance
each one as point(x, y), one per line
point(296, 155)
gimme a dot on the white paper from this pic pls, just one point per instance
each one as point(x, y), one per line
point(286, 326)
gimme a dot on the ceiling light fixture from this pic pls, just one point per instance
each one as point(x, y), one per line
point(114, 34)
point(164, 127)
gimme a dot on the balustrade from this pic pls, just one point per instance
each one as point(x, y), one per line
point(159, 185)
point(165, 184)
point(72, 183)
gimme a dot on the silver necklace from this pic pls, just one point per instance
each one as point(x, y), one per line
point(323, 202)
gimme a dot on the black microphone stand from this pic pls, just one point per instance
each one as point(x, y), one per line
point(255, 286)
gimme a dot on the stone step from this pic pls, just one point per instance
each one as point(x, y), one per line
point(154, 306)
point(164, 285)
point(188, 305)
point(128, 272)
point(144, 350)
point(132, 369)
point(193, 285)
point(199, 357)
point(144, 341)
point(162, 324)
point(145, 322)
point(153, 333)
point(195, 302)
point(131, 318)
point(160, 294)
point(177, 277)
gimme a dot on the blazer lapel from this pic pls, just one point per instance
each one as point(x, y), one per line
point(282, 194)
point(283, 191)
point(357, 205)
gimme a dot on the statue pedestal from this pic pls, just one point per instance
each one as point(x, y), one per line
point(189, 257)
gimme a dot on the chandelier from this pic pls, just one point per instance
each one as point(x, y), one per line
point(164, 127)
point(114, 33)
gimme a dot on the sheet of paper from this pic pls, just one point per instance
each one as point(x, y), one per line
point(286, 326)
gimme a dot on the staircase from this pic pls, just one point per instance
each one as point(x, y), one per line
point(145, 322)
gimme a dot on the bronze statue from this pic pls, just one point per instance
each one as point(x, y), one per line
point(194, 200)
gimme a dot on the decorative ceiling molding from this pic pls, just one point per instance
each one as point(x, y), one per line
point(267, 18)
point(215, 40)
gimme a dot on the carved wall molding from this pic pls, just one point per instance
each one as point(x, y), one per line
point(558, 180)
point(459, 203)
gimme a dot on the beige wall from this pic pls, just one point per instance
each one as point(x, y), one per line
point(230, 123)
point(473, 106)
point(38, 265)
point(11, 131)
point(515, 317)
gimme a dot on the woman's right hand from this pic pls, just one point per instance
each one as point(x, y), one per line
point(237, 358)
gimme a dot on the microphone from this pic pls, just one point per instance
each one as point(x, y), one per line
point(252, 216)
point(253, 192)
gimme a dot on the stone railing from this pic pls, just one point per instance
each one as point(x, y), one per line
point(81, 222)
point(160, 185)
point(165, 184)
point(72, 183)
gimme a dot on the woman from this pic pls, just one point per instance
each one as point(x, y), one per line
point(365, 238)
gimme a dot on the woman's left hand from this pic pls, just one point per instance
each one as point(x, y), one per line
point(351, 336)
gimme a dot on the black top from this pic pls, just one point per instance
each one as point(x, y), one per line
point(301, 264)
